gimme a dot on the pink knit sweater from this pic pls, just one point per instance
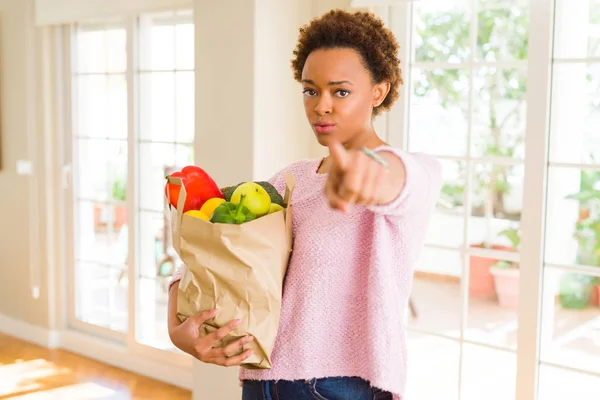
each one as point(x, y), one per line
point(349, 279)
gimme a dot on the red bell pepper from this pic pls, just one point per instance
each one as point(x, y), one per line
point(199, 187)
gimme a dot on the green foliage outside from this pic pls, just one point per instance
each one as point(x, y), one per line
point(502, 34)
point(499, 107)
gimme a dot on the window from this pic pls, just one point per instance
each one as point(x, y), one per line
point(133, 123)
point(100, 132)
point(467, 102)
point(570, 318)
point(467, 105)
point(166, 138)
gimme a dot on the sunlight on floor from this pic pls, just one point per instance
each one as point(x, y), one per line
point(81, 391)
point(28, 380)
point(20, 376)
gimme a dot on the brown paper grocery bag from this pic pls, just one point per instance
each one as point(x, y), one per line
point(238, 269)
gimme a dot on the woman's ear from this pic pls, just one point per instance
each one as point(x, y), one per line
point(380, 91)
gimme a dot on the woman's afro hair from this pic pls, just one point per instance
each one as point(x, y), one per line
point(361, 31)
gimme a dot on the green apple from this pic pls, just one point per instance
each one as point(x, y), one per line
point(257, 200)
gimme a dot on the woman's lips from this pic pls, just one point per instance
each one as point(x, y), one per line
point(323, 128)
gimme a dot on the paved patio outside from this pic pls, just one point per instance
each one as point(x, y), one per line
point(491, 373)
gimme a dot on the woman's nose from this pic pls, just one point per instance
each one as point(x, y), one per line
point(323, 106)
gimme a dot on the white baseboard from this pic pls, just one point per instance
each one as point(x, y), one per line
point(29, 332)
point(118, 356)
point(98, 349)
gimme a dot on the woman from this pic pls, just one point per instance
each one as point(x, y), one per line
point(360, 216)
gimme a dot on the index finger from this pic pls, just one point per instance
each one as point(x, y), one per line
point(222, 332)
point(339, 155)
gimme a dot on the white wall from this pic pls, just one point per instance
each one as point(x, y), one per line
point(246, 100)
point(22, 209)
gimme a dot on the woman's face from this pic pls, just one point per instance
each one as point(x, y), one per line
point(339, 95)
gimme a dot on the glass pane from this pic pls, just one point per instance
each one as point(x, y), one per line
point(101, 172)
point(503, 30)
point(101, 233)
point(101, 295)
point(571, 320)
point(91, 50)
point(101, 106)
point(438, 121)
point(497, 192)
point(157, 42)
point(429, 357)
point(447, 224)
point(184, 154)
point(573, 217)
point(435, 297)
point(499, 113)
point(577, 24)
point(157, 257)
point(441, 31)
point(116, 50)
point(184, 44)
point(152, 329)
point(560, 384)
point(156, 159)
point(91, 105)
point(488, 374)
point(184, 109)
point(116, 97)
point(157, 106)
point(493, 301)
point(575, 136)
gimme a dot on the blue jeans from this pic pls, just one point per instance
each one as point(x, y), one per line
point(320, 389)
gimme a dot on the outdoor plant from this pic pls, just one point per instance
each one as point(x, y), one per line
point(514, 237)
point(119, 190)
point(444, 36)
point(587, 226)
point(576, 289)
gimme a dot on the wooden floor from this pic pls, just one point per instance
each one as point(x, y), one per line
point(28, 372)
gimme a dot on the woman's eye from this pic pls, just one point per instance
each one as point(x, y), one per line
point(309, 92)
point(342, 93)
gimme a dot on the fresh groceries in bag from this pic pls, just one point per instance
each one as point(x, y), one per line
point(237, 204)
point(235, 244)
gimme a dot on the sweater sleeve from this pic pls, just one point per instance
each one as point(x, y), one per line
point(277, 180)
point(177, 275)
point(421, 188)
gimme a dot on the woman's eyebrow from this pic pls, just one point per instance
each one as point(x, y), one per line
point(330, 83)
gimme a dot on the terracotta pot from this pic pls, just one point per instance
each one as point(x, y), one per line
point(481, 281)
point(595, 296)
point(119, 216)
point(506, 281)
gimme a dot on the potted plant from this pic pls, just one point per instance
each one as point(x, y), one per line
point(119, 194)
point(579, 290)
point(507, 273)
point(491, 186)
point(118, 210)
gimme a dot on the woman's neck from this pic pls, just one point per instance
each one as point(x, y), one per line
point(369, 140)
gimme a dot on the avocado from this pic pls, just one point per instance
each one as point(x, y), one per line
point(273, 193)
point(228, 191)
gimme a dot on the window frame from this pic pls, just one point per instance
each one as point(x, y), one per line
point(94, 341)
